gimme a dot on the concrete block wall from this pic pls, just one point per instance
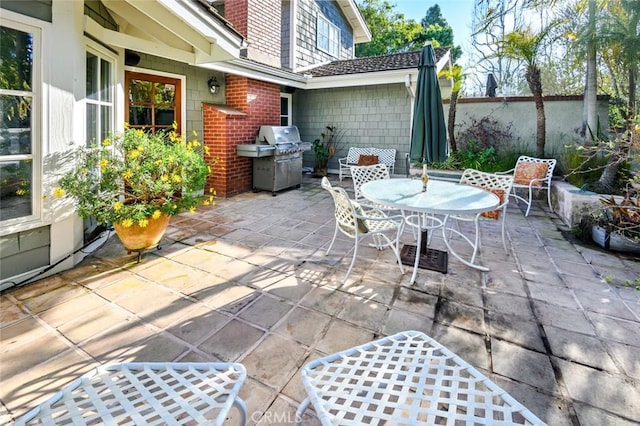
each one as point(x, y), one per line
point(376, 116)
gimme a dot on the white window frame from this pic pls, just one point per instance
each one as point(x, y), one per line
point(103, 54)
point(36, 125)
point(327, 36)
point(289, 116)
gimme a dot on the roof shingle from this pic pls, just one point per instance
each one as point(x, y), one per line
point(394, 61)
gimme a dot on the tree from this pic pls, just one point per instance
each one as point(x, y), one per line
point(436, 29)
point(524, 44)
point(455, 74)
point(492, 21)
point(391, 32)
point(621, 31)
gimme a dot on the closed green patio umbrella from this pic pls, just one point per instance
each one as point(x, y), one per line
point(429, 133)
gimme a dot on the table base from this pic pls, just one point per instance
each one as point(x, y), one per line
point(432, 259)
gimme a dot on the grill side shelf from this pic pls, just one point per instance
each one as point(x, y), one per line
point(255, 150)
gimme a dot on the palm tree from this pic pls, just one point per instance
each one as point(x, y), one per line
point(455, 74)
point(525, 44)
point(621, 32)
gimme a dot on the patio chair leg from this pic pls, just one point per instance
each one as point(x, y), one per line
point(242, 408)
point(529, 203)
point(549, 199)
point(300, 411)
point(333, 240)
point(353, 260)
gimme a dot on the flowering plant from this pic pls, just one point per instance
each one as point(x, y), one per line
point(137, 176)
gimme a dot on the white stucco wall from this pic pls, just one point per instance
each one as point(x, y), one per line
point(563, 118)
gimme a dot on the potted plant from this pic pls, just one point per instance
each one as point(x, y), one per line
point(617, 225)
point(135, 182)
point(324, 149)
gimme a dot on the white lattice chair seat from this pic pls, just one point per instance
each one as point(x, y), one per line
point(406, 379)
point(146, 393)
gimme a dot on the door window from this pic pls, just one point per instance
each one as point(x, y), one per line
point(153, 102)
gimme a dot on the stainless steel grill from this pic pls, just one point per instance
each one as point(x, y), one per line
point(277, 158)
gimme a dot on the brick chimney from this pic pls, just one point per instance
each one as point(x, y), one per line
point(259, 21)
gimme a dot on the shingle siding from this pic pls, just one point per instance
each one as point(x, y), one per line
point(306, 51)
point(376, 116)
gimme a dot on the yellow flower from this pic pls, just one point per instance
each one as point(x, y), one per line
point(106, 142)
point(127, 223)
point(104, 163)
point(140, 148)
point(176, 178)
point(142, 223)
point(164, 178)
point(192, 210)
point(127, 174)
point(117, 205)
point(20, 192)
point(134, 154)
point(58, 192)
point(156, 214)
point(206, 149)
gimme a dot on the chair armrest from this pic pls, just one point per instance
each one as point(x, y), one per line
point(342, 161)
point(507, 172)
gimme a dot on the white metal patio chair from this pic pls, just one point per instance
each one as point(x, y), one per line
point(358, 222)
point(500, 185)
point(149, 393)
point(531, 173)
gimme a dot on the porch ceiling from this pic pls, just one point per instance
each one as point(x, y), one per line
point(177, 29)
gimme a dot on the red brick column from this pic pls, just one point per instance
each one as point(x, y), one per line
point(253, 103)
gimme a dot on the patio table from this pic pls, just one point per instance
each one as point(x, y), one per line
point(405, 379)
point(440, 198)
point(146, 393)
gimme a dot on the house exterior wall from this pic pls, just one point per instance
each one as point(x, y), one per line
point(369, 116)
point(196, 91)
point(259, 21)
point(58, 126)
point(307, 53)
point(254, 103)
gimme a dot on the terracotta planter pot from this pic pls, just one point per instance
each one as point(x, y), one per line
point(135, 238)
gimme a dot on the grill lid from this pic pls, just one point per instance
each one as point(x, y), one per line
point(276, 135)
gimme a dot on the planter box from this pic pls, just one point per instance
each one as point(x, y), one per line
point(613, 242)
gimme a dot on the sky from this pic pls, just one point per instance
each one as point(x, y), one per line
point(456, 12)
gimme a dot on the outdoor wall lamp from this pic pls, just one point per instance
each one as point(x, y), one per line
point(213, 85)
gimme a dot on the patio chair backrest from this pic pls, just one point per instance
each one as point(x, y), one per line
point(345, 210)
point(364, 174)
point(498, 184)
point(527, 162)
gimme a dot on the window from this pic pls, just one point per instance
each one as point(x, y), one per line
point(328, 37)
point(285, 109)
point(99, 98)
point(19, 80)
point(153, 102)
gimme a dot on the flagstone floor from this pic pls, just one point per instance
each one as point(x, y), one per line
point(554, 322)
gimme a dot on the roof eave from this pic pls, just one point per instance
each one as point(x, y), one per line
point(361, 33)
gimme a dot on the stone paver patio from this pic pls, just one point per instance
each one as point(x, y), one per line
point(248, 280)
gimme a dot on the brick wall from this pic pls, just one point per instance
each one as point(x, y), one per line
point(260, 22)
point(254, 103)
